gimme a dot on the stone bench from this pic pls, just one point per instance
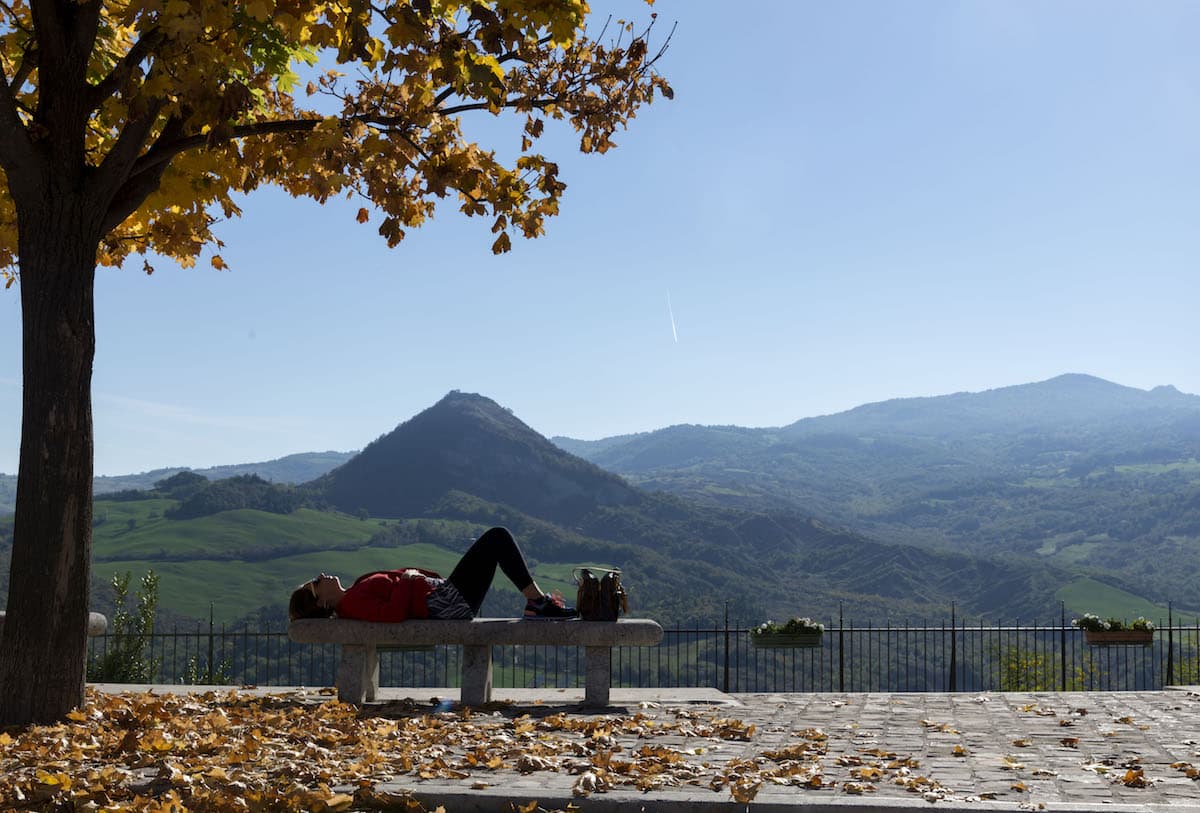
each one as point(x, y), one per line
point(97, 624)
point(358, 670)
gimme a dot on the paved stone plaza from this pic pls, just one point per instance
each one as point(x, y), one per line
point(1011, 751)
point(1072, 751)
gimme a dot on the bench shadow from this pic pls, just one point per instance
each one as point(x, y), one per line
point(510, 709)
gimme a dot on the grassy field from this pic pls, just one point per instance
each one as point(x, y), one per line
point(1090, 596)
point(1191, 466)
point(239, 561)
point(235, 588)
point(138, 530)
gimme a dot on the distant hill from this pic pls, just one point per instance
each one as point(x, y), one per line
point(420, 493)
point(1075, 471)
point(467, 457)
point(1001, 502)
point(469, 443)
point(294, 468)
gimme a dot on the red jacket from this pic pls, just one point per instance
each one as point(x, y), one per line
point(388, 595)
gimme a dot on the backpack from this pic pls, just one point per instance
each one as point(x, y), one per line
point(600, 599)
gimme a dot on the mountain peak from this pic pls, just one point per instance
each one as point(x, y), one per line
point(468, 443)
point(1068, 400)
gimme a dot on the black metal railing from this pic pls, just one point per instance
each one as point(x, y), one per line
point(949, 657)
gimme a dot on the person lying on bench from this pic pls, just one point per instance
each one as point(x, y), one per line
point(397, 595)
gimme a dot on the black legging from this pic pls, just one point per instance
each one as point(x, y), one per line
point(475, 570)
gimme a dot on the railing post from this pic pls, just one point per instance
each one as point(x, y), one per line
point(1170, 647)
point(1062, 648)
point(209, 674)
point(726, 689)
point(841, 650)
point(953, 648)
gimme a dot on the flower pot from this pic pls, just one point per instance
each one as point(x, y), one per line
point(1118, 637)
point(785, 639)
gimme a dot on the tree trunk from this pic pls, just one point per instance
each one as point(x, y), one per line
point(43, 650)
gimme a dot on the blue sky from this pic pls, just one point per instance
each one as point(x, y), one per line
point(846, 202)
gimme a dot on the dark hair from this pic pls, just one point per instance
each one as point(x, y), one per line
point(303, 604)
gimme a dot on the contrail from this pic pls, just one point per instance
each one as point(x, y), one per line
point(671, 312)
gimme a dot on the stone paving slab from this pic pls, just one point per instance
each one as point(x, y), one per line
point(1052, 751)
point(1082, 751)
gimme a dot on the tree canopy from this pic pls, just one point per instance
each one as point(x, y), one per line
point(182, 104)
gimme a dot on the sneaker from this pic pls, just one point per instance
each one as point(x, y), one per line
point(549, 606)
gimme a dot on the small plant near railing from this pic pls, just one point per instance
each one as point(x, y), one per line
point(126, 657)
point(796, 632)
point(1094, 623)
point(1099, 631)
point(197, 673)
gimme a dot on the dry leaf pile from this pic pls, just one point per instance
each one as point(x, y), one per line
point(239, 752)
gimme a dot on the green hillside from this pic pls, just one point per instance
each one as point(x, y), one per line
point(139, 530)
point(1075, 472)
point(1090, 596)
point(240, 562)
point(1003, 526)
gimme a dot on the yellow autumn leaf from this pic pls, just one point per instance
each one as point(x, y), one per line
point(1135, 778)
point(260, 9)
point(338, 802)
point(744, 792)
point(53, 779)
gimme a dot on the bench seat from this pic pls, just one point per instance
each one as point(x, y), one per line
point(97, 624)
point(358, 669)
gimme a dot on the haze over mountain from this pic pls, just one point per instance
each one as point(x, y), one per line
point(1002, 502)
point(468, 458)
point(293, 468)
point(1074, 471)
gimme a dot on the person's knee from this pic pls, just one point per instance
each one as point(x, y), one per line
point(499, 535)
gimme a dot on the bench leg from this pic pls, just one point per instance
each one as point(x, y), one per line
point(371, 672)
point(598, 663)
point(476, 675)
point(358, 674)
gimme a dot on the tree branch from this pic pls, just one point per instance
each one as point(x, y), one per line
point(164, 149)
point(140, 182)
point(540, 104)
point(48, 28)
point(16, 150)
point(146, 44)
point(117, 166)
point(28, 63)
